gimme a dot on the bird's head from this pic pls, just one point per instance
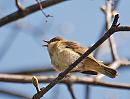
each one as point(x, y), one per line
point(53, 44)
point(53, 40)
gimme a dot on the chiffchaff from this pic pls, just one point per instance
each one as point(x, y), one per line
point(63, 53)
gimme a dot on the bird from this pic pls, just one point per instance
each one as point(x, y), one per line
point(63, 53)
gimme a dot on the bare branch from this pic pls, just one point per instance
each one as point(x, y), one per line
point(113, 48)
point(73, 79)
point(103, 8)
point(19, 6)
point(116, 64)
point(69, 86)
point(87, 94)
point(124, 62)
point(42, 10)
point(123, 28)
point(108, 14)
point(27, 11)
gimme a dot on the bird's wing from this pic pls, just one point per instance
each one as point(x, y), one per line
point(77, 48)
point(81, 50)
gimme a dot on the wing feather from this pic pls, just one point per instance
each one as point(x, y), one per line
point(77, 48)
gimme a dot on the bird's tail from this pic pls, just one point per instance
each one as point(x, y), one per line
point(92, 64)
point(103, 69)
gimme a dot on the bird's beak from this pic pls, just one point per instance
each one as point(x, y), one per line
point(46, 44)
point(46, 41)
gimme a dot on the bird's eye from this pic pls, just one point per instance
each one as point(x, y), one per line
point(67, 47)
point(55, 39)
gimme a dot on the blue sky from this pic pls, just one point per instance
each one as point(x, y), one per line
point(77, 20)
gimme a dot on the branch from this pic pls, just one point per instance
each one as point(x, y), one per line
point(27, 11)
point(87, 92)
point(103, 8)
point(113, 48)
point(19, 6)
point(108, 14)
point(73, 79)
point(123, 28)
point(42, 10)
point(70, 67)
point(69, 86)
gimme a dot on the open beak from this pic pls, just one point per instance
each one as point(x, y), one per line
point(46, 44)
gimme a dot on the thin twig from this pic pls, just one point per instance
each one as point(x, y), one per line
point(46, 79)
point(42, 10)
point(114, 7)
point(69, 86)
point(87, 94)
point(19, 6)
point(115, 4)
point(123, 28)
point(70, 67)
point(108, 14)
point(27, 11)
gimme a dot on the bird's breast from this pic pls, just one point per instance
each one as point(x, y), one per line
point(63, 58)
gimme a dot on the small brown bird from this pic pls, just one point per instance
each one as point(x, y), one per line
point(63, 53)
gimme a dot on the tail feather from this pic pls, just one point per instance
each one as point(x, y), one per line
point(91, 64)
point(107, 71)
